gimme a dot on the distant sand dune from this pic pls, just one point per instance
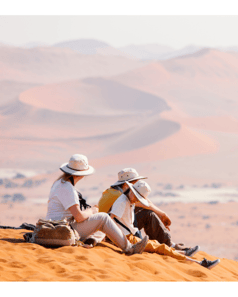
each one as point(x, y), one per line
point(93, 96)
point(97, 107)
point(115, 109)
point(144, 135)
point(223, 124)
point(200, 85)
point(52, 64)
point(185, 142)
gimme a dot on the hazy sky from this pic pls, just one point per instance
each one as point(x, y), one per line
point(175, 31)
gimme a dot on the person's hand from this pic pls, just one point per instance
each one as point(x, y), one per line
point(94, 209)
point(166, 220)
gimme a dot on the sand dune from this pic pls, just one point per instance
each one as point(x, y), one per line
point(10, 90)
point(122, 117)
point(147, 51)
point(143, 136)
point(51, 64)
point(83, 46)
point(97, 108)
point(202, 84)
point(185, 142)
point(21, 261)
point(103, 118)
point(21, 121)
point(93, 96)
point(91, 47)
point(222, 124)
point(206, 62)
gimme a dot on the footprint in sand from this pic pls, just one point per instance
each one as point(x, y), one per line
point(81, 258)
point(68, 249)
point(145, 265)
point(101, 274)
point(99, 270)
point(57, 268)
point(16, 264)
point(44, 260)
point(196, 273)
point(105, 276)
point(76, 277)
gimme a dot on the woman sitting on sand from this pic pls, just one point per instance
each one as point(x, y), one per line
point(64, 203)
point(122, 212)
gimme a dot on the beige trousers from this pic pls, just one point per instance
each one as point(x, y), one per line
point(102, 222)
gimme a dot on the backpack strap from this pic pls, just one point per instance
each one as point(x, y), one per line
point(120, 223)
point(117, 188)
point(82, 201)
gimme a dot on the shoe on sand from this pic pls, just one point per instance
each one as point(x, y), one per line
point(91, 241)
point(139, 247)
point(192, 251)
point(209, 264)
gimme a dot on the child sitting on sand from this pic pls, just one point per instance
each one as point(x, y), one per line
point(122, 212)
point(152, 219)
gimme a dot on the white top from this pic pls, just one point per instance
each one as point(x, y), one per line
point(124, 212)
point(62, 196)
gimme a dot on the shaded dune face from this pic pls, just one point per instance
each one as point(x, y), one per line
point(144, 135)
point(10, 90)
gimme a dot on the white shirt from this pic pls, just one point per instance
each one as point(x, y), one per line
point(62, 196)
point(124, 212)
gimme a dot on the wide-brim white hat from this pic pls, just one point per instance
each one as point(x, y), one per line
point(77, 165)
point(142, 187)
point(127, 174)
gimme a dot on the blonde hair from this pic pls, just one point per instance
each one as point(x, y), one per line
point(64, 177)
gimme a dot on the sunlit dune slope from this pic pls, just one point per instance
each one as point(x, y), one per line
point(21, 261)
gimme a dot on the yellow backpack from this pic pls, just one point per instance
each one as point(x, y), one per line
point(109, 196)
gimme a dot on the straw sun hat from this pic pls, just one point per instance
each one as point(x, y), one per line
point(127, 174)
point(77, 165)
point(141, 190)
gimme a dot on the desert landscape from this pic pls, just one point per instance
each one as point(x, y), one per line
point(172, 115)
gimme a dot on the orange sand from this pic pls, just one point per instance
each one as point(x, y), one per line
point(21, 261)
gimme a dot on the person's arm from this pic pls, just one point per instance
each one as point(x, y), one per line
point(80, 215)
point(161, 214)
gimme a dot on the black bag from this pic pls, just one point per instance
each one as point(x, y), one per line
point(83, 203)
